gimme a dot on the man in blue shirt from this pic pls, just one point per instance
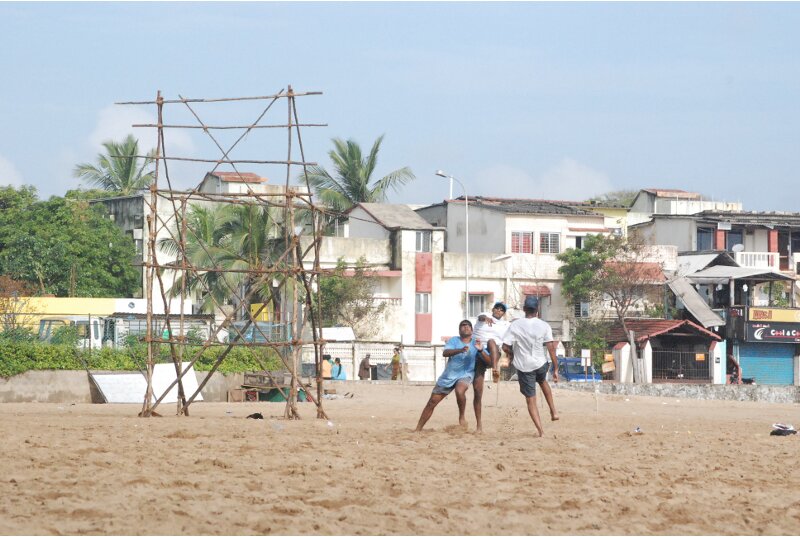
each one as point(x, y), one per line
point(462, 350)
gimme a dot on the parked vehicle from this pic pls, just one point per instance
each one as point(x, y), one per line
point(94, 332)
point(89, 329)
point(571, 370)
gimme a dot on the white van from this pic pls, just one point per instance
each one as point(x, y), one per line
point(90, 332)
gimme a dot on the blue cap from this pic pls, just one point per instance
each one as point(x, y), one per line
point(500, 305)
point(531, 302)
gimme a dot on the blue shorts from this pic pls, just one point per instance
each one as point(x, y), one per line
point(528, 380)
point(443, 390)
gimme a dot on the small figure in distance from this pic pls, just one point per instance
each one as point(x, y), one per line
point(462, 351)
point(338, 370)
point(327, 366)
point(526, 342)
point(365, 369)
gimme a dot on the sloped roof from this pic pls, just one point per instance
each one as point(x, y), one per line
point(691, 262)
point(695, 303)
point(528, 206)
point(645, 329)
point(645, 271)
point(723, 274)
point(769, 219)
point(394, 216)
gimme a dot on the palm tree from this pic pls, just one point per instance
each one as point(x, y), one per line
point(120, 170)
point(352, 181)
point(238, 238)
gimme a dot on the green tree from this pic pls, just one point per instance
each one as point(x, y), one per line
point(237, 238)
point(67, 248)
point(349, 300)
point(612, 269)
point(351, 181)
point(623, 197)
point(120, 169)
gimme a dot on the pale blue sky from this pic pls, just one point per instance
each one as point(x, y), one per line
point(551, 100)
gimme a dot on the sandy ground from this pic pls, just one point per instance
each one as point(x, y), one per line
point(699, 467)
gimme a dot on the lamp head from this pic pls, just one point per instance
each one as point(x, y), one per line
point(441, 173)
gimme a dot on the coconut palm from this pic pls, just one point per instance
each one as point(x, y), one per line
point(237, 238)
point(352, 181)
point(119, 170)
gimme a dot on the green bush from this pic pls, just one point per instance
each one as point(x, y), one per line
point(20, 356)
point(18, 335)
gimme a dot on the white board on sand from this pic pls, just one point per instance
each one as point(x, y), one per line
point(121, 387)
point(131, 387)
point(164, 375)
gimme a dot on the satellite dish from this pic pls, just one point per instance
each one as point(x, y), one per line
point(738, 248)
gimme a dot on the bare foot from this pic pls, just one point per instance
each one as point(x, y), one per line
point(554, 417)
point(541, 433)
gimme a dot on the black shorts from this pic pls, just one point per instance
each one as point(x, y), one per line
point(528, 380)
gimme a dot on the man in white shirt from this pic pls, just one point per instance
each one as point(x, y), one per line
point(489, 330)
point(528, 341)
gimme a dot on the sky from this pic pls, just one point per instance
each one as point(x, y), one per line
point(534, 100)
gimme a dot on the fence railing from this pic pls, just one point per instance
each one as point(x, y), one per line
point(425, 362)
point(680, 366)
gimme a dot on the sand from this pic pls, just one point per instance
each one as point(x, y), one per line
point(699, 467)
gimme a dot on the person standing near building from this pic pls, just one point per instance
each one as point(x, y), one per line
point(527, 342)
point(462, 351)
point(365, 369)
point(327, 366)
point(396, 363)
point(403, 363)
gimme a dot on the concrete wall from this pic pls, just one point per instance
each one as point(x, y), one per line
point(761, 393)
point(76, 387)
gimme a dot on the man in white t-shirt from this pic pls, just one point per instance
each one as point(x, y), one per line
point(527, 341)
point(489, 330)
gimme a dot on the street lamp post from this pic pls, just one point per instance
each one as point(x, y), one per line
point(440, 173)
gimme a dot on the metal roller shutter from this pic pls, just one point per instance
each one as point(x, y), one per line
point(767, 363)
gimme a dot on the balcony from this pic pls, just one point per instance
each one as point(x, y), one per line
point(760, 260)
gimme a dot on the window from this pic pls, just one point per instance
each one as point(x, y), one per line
point(733, 238)
point(549, 243)
point(422, 303)
point(581, 309)
point(477, 305)
point(542, 304)
point(138, 221)
point(579, 243)
point(423, 241)
point(522, 242)
point(705, 239)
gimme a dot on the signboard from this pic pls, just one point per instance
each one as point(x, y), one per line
point(608, 367)
point(772, 332)
point(586, 357)
point(774, 315)
point(699, 357)
point(608, 357)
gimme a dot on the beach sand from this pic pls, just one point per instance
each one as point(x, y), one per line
point(699, 467)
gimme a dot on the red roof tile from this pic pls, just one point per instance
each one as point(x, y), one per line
point(535, 290)
point(645, 329)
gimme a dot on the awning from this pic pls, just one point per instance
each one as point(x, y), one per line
point(695, 303)
point(723, 274)
point(535, 290)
